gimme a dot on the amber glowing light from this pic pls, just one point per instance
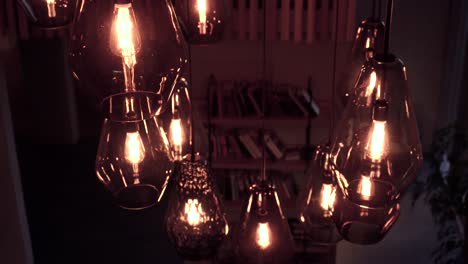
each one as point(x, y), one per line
point(263, 235)
point(134, 150)
point(51, 8)
point(377, 138)
point(202, 9)
point(327, 197)
point(193, 212)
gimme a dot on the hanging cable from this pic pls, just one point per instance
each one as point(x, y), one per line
point(190, 92)
point(264, 84)
point(333, 92)
point(388, 25)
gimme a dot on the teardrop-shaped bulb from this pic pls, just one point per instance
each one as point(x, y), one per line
point(368, 41)
point(124, 45)
point(49, 14)
point(376, 150)
point(133, 159)
point(195, 220)
point(317, 202)
point(202, 21)
point(264, 235)
point(361, 224)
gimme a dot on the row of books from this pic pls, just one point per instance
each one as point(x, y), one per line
point(248, 144)
point(234, 185)
point(245, 99)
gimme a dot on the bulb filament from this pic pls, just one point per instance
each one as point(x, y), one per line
point(327, 197)
point(51, 8)
point(193, 212)
point(263, 235)
point(202, 8)
point(177, 137)
point(365, 187)
point(134, 150)
point(377, 138)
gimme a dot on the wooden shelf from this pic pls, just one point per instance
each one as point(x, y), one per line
point(255, 164)
point(257, 121)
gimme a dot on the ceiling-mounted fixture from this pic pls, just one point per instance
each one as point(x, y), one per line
point(49, 14)
point(195, 220)
point(376, 152)
point(202, 21)
point(123, 45)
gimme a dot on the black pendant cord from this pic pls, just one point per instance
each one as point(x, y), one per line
point(333, 92)
point(379, 9)
point(374, 9)
point(388, 26)
point(263, 85)
point(190, 93)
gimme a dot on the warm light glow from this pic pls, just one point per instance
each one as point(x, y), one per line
point(193, 213)
point(365, 187)
point(124, 41)
point(134, 149)
point(263, 235)
point(328, 196)
point(367, 43)
point(177, 137)
point(202, 8)
point(372, 83)
point(377, 141)
point(302, 218)
point(51, 8)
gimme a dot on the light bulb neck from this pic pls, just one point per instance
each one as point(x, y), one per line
point(380, 110)
point(122, 2)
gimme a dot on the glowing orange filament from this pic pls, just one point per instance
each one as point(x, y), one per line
point(202, 8)
point(51, 8)
point(263, 235)
point(193, 212)
point(328, 197)
point(134, 150)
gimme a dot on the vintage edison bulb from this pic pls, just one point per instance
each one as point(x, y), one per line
point(316, 203)
point(264, 235)
point(368, 41)
point(195, 221)
point(125, 45)
point(49, 14)
point(177, 122)
point(202, 21)
point(376, 151)
point(133, 160)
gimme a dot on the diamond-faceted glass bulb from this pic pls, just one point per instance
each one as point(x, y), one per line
point(203, 21)
point(195, 220)
point(317, 202)
point(49, 14)
point(127, 45)
point(368, 41)
point(264, 235)
point(133, 159)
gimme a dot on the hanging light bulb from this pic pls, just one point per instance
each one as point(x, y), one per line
point(264, 235)
point(376, 152)
point(195, 221)
point(132, 159)
point(369, 40)
point(125, 45)
point(317, 202)
point(51, 14)
point(203, 21)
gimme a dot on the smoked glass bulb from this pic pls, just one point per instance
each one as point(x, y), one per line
point(133, 159)
point(376, 153)
point(195, 221)
point(49, 13)
point(264, 235)
point(368, 41)
point(127, 45)
point(317, 202)
point(202, 21)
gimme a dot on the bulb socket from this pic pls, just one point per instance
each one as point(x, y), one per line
point(380, 110)
point(122, 2)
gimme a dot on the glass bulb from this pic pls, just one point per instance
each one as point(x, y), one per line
point(317, 201)
point(203, 21)
point(376, 152)
point(123, 45)
point(368, 41)
point(49, 13)
point(264, 235)
point(361, 224)
point(195, 221)
point(132, 159)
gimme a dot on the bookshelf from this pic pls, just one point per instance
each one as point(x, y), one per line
point(255, 164)
point(257, 121)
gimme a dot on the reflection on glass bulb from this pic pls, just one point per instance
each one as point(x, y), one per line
point(193, 213)
point(202, 8)
point(125, 41)
point(263, 235)
point(51, 8)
